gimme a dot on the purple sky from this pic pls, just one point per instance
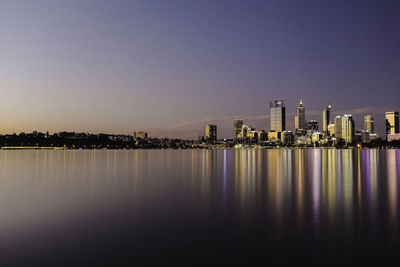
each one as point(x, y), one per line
point(170, 67)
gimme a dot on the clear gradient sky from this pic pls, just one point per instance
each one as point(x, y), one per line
point(169, 67)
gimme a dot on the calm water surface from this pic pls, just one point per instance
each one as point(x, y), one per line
point(199, 207)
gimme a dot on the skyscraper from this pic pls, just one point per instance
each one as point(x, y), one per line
point(211, 132)
point(278, 115)
point(392, 122)
point(296, 122)
point(338, 127)
point(348, 128)
point(326, 115)
point(369, 124)
point(300, 118)
point(237, 128)
point(331, 129)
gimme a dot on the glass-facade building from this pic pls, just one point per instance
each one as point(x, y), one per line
point(392, 122)
point(348, 128)
point(300, 118)
point(237, 128)
point(211, 132)
point(326, 115)
point(338, 127)
point(369, 124)
point(278, 116)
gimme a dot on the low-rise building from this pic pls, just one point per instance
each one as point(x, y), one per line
point(393, 137)
point(316, 137)
point(287, 137)
point(274, 136)
point(141, 135)
point(262, 136)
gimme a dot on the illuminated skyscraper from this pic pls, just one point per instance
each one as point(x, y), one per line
point(237, 128)
point(278, 115)
point(331, 129)
point(392, 122)
point(296, 122)
point(326, 115)
point(338, 127)
point(300, 118)
point(348, 128)
point(369, 124)
point(211, 132)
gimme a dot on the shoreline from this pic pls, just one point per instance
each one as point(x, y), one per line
point(194, 148)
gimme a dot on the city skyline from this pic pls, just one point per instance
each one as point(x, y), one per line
point(171, 68)
point(194, 129)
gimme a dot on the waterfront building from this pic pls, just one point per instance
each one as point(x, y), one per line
point(312, 126)
point(300, 118)
point(331, 129)
point(237, 128)
point(300, 132)
point(262, 136)
point(392, 123)
point(252, 135)
point(211, 132)
point(361, 136)
point(287, 138)
point(369, 124)
point(243, 132)
point(365, 136)
point(326, 115)
point(348, 128)
point(373, 136)
point(277, 116)
point(141, 135)
point(273, 135)
point(303, 140)
point(393, 137)
point(316, 137)
point(338, 127)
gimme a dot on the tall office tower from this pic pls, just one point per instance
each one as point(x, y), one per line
point(300, 118)
point(331, 129)
point(347, 128)
point(369, 124)
point(278, 116)
point(211, 132)
point(392, 122)
point(338, 127)
point(237, 128)
point(326, 115)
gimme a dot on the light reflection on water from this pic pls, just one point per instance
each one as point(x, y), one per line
point(305, 202)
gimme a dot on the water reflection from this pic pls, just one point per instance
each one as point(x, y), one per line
point(392, 189)
point(302, 200)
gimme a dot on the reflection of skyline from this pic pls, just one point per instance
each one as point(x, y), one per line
point(392, 188)
point(304, 199)
point(338, 183)
point(330, 180)
point(331, 185)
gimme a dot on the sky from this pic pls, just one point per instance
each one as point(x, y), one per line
point(171, 67)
